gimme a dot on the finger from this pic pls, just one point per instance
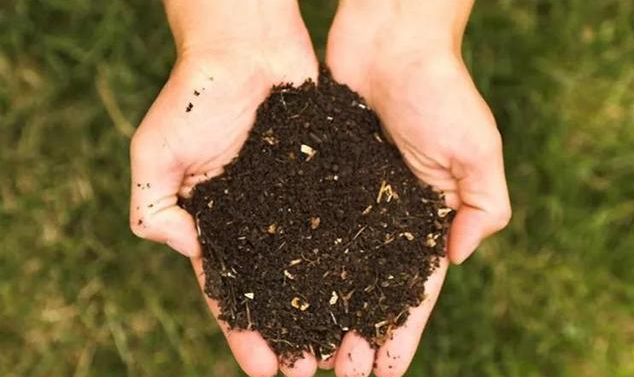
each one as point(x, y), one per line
point(156, 178)
point(395, 355)
point(470, 226)
point(485, 206)
point(249, 348)
point(191, 180)
point(354, 357)
point(432, 172)
point(304, 367)
point(327, 364)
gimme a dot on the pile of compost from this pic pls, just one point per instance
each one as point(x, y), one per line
point(318, 227)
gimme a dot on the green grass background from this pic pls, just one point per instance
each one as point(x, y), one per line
point(553, 295)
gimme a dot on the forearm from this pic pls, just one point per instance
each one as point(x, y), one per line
point(203, 24)
point(434, 24)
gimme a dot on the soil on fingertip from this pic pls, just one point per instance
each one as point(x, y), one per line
point(318, 227)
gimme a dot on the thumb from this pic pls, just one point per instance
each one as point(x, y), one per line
point(156, 178)
point(485, 206)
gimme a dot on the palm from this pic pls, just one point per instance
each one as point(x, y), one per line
point(434, 115)
point(207, 107)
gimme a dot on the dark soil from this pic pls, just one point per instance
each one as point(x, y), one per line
point(318, 227)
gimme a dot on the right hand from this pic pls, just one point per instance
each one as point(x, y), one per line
point(225, 74)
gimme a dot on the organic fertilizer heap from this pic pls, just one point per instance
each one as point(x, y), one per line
point(318, 227)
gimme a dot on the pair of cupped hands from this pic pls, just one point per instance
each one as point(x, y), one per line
point(408, 70)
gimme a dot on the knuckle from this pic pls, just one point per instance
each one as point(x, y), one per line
point(480, 146)
point(138, 229)
point(490, 144)
point(390, 371)
point(141, 226)
point(502, 216)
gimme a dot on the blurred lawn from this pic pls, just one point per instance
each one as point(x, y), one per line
point(80, 296)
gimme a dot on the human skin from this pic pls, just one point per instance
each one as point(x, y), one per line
point(231, 59)
point(404, 58)
point(430, 108)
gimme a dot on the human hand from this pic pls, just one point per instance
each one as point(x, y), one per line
point(403, 57)
point(227, 63)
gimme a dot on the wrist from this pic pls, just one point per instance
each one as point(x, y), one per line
point(426, 25)
point(204, 25)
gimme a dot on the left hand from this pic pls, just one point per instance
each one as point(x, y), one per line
point(433, 113)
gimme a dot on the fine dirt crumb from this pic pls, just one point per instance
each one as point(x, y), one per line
point(318, 227)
